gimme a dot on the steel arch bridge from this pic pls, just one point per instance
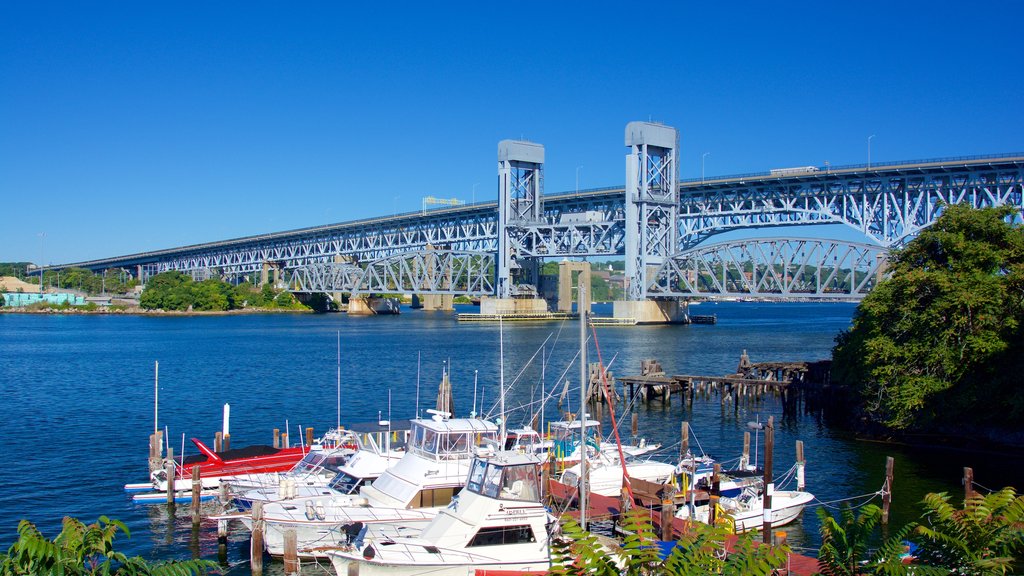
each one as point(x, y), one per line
point(652, 222)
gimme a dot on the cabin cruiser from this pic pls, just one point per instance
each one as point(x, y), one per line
point(562, 443)
point(378, 446)
point(432, 471)
point(497, 522)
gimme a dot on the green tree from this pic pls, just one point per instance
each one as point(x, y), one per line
point(82, 549)
point(211, 295)
point(2, 301)
point(943, 336)
point(321, 303)
point(167, 291)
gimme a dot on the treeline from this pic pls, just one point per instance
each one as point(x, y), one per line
point(112, 281)
point(940, 344)
point(177, 291)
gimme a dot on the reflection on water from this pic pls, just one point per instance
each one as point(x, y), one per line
point(79, 393)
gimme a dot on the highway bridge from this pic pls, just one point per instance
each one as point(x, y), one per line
point(667, 230)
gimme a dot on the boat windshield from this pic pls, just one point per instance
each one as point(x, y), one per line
point(346, 483)
point(506, 482)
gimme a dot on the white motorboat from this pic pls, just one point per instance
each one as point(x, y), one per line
point(746, 511)
point(378, 446)
point(604, 474)
point(563, 442)
point(497, 522)
point(412, 491)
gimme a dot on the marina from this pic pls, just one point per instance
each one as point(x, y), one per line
point(104, 385)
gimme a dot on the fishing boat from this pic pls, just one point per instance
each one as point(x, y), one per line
point(424, 481)
point(496, 523)
point(746, 511)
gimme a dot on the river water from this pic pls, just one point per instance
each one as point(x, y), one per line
point(77, 395)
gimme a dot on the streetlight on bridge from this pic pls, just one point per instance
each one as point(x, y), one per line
point(869, 150)
point(702, 157)
point(578, 179)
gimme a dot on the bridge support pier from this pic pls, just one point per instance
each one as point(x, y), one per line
point(372, 305)
point(565, 284)
point(511, 306)
point(434, 302)
point(651, 311)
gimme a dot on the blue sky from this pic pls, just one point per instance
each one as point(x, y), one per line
point(128, 126)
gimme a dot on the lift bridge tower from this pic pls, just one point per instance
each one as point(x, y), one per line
point(520, 204)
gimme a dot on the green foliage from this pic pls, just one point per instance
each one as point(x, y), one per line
point(17, 269)
point(702, 550)
point(321, 303)
point(943, 337)
point(985, 537)
point(167, 291)
point(82, 549)
point(845, 545)
point(176, 291)
point(2, 301)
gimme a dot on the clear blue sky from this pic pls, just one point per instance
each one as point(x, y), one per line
point(131, 126)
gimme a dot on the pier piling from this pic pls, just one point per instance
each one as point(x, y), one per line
point(291, 555)
point(169, 469)
point(277, 438)
point(197, 486)
point(887, 491)
point(309, 436)
point(968, 483)
point(256, 543)
point(218, 442)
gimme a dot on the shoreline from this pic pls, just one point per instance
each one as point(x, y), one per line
point(136, 311)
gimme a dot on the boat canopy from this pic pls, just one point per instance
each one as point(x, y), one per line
point(451, 439)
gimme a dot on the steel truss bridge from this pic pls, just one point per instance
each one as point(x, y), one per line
point(668, 231)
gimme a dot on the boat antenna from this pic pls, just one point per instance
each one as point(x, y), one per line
point(475, 374)
point(580, 292)
point(339, 381)
point(501, 379)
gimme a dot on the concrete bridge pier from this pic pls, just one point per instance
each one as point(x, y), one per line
point(434, 302)
point(565, 284)
point(372, 305)
point(652, 311)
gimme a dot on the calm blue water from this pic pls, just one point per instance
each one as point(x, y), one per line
point(78, 400)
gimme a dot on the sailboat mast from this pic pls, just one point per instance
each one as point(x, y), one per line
point(582, 418)
point(501, 380)
point(339, 381)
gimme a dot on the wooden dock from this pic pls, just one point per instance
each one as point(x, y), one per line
point(790, 382)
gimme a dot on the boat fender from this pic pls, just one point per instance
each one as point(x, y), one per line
point(369, 553)
point(310, 513)
point(320, 512)
point(643, 442)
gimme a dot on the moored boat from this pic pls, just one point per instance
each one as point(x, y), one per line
point(496, 523)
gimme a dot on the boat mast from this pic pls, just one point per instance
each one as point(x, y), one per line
point(582, 418)
point(501, 380)
point(156, 397)
point(338, 427)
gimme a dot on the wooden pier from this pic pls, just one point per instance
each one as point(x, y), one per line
point(752, 382)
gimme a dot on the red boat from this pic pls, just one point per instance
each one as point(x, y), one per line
point(214, 466)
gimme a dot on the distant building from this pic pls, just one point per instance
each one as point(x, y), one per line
point(19, 299)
